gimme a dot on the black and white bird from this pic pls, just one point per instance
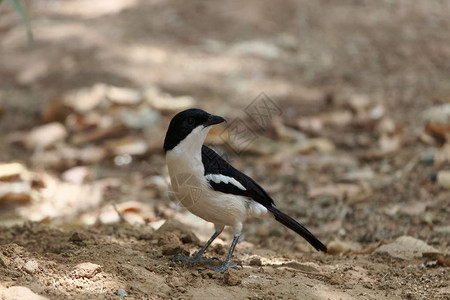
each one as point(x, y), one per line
point(212, 189)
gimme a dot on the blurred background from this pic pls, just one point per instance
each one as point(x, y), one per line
point(356, 146)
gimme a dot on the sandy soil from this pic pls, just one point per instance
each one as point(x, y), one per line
point(52, 262)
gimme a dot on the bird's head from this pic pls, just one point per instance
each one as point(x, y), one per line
point(189, 127)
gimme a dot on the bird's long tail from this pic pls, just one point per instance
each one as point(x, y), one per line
point(297, 227)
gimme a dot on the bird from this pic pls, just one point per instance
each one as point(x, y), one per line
point(212, 189)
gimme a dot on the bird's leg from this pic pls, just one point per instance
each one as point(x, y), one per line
point(226, 263)
point(197, 258)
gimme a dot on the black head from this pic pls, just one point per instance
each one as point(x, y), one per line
point(185, 122)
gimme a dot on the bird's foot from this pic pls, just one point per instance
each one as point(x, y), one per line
point(226, 266)
point(194, 259)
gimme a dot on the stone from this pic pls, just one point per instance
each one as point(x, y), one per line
point(255, 261)
point(86, 270)
point(20, 293)
point(122, 293)
point(232, 278)
point(31, 266)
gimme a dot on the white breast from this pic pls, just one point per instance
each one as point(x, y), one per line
point(191, 187)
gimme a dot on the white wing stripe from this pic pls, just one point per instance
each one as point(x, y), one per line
point(218, 178)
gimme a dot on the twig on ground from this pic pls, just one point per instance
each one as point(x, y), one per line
point(122, 219)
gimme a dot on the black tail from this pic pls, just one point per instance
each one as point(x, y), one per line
point(297, 227)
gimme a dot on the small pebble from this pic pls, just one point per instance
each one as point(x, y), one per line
point(177, 282)
point(255, 261)
point(428, 157)
point(232, 278)
point(122, 293)
point(31, 266)
point(86, 270)
point(431, 264)
point(77, 238)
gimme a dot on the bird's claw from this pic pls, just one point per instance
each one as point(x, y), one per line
point(225, 267)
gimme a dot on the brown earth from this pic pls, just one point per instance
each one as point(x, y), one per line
point(315, 60)
point(130, 257)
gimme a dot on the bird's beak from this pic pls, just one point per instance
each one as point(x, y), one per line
point(213, 119)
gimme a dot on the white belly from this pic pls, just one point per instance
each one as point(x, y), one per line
point(193, 191)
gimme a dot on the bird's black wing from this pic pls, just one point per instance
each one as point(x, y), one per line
point(225, 178)
point(215, 165)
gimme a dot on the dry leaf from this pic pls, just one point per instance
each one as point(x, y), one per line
point(123, 96)
point(428, 139)
point(132, 206)
point(386, 126)
point(76, 175)
point(143, 117)
point(11, 171)
point(284, 151)
point(338, 118)
point(77, 122)
point(285, 133)
point(441, 132)
point(414, 209)
point(438, 114)
point(256, 48)
point(85, 99)
point(365, 173)
point(311, 124)
point(128, 145)
point(15, 192)
point(340, 247)
point(55, 112)
point(443, 155)
point(167, 103)
point(387, 144)
point(91, 155)
point(443, 178)
point(95, 135)
point(442, 229)
point(322, 145)
point(15, 198)
point(44, 136)
point(376, 112)
point(359, 103)
point(134, 218)
point(350, 192)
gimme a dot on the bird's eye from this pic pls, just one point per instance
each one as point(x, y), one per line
point(191, 121)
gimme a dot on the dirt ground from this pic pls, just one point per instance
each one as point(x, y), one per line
point(358, 153)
